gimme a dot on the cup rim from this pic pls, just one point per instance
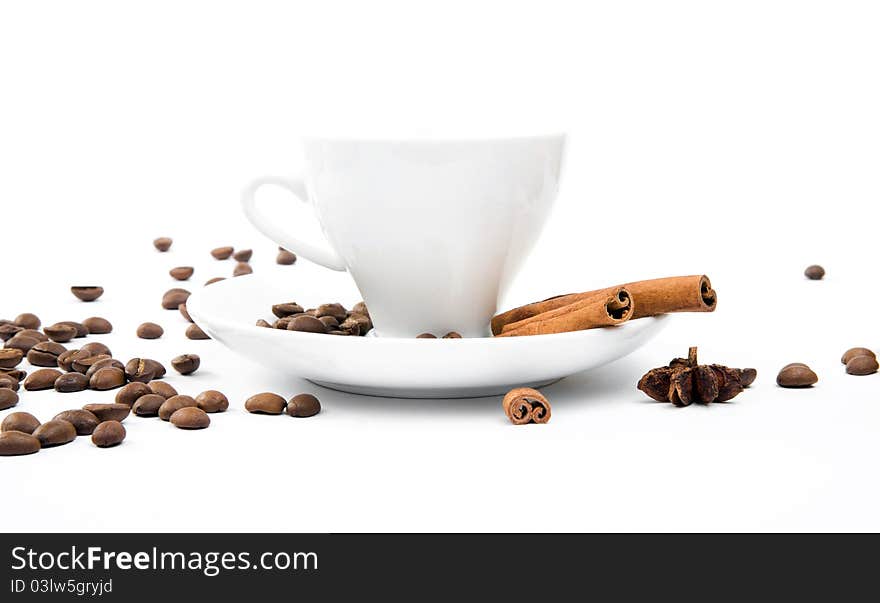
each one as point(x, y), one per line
point(558, 136)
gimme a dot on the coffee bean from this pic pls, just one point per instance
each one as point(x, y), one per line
point(306, 324)
point(853, 352)
point(81, 329)
point(190, 418)
point(97, 325)
point(346, 333)
point(174, 297)
point(108, 434)
point(265, 403)
point(8, 382)
point(173, 404)
point(330, 323)
point(796, 374)
point(286, 309)
point(22, 342)
point(452, 335)
point(13, 373)
point(8, 398)
point(41, 379)
point(426, 336)
point(45, 353)
point(184, 312)
point(24, 422)
point(356, 324)
point(352, 327)
point(96, 348)
point(862, 365)
point(747, 376)
point(71, 382)
point(87, 293)
point(164, 389)
point(107, 378)
point(38, 335)
point(147, 406)
point(10, 357)
point(241, 269)
point(212, 401)
point(181, 273)
point(337, 311)
point(194, 331)
point(283, 323)
point(83, 361)
point(104, 362)
point(263, 323)
point(243, 255)
point(109, 412)
point(360, 308)
point(82, 420)
point(222, 253)
point(27, 321)
point(55, 433)
point(8, 331)
point(149, 330)
point(131, 392)
point(285, 257)
point(216, 279)
point(144, 370)
point(814, 272)
point(303, 405)
point(15, 443)
point(162, 243)
point(186, 364)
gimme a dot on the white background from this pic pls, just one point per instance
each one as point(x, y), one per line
point(737, 139)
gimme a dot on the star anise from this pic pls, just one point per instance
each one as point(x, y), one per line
point(685, 381)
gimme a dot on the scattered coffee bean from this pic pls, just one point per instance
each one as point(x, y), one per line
point(357, 324)
point(194, 331)
point(82, 420)
point(796, 374)
point(149, 330)
point(216, 279)
point(24, 422)
point(853, 352)
point(241, 269)
point(144, 370)
point(174, 297)
point(22, 342)
point(190, 417)
point(8, 398)
point(96, 348)
point(83, 361)
point(265, 403)
point(184, 312)
point(107, 378)
point(360, 308)
point(330, 323)
point(452, 335)
point(337, 311)
point(104, 362)
point(286, 309)
point(306, 324)
point(173, 404)
point(426, 336)
point(55, 433)
point(81, 329)
point(148, 405)
point(747, 376)
point(212, 401)
point(41, 379)
point(814, 272)
point(71, 382)
point(222, 253)
point(186, 364)
point(129, 394)
point(13, 374)
point(181, 273)
point(7, 381)
point(283, 323)
point(10, 357)
point(38, 335)
point(15, 443)
point(303, 405)
point(243, 255)
point(27, 320)
point(87, 293)
point(108, 434)
point(162, 243)
point(862, 365)
point(263, 323)
point(109, 412)
point(97, 325)
point(45, 353)
point(285, 258)
point(163, 388)
point(8, 331)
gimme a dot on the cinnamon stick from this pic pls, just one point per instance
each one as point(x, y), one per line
point(526, 405)
point(649, 298)
point(604, 308)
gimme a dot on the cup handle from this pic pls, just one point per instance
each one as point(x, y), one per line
point(323, 255)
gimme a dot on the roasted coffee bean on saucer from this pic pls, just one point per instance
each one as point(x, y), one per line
point(286, 309)
point(87, 293)
point(306, 324)
point(97, 325)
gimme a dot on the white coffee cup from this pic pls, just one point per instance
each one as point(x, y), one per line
point(432, 232)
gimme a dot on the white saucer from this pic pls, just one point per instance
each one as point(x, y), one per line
point(401, 368)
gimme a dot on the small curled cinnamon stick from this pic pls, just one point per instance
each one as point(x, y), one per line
point(599, 309)
point(526, 405)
